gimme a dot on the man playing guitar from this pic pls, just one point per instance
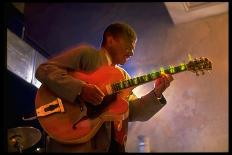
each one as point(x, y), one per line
point(79, 77)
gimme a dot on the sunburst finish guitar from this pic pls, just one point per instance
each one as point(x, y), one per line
point(78, 122)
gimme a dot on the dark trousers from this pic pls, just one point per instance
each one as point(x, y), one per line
point(116, 147)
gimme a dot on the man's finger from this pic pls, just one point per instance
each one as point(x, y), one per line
point(99, 92)
point(94, 101)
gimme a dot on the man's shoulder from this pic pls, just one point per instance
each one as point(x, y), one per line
point(127, 76)
point(84, 47)
point(80, 49)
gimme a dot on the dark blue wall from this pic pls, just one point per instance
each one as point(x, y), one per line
point(14, 19)
point(56, 26)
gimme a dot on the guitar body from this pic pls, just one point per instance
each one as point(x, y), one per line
point(77, 124)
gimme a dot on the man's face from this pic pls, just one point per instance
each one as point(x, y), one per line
point(121, 50)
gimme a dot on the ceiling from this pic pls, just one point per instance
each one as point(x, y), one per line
point(182, 12)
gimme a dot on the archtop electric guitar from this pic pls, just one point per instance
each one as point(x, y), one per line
point(73, 123)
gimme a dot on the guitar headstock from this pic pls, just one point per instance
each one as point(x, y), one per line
point(199, 65)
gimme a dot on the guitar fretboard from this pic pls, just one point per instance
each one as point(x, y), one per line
point(147, 77)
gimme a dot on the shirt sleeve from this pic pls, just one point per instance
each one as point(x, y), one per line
point(55, 73)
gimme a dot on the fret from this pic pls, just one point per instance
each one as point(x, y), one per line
point(135, 81)
point(126, 84)
point(121, 86)
point(162, 71)
point(131, 82)
point(117, 86)
point(140, 79)
point(153, 75)
point(114, 88)
point(147, 77)
point(171, 69)
point(167, 71)
point(180, 68)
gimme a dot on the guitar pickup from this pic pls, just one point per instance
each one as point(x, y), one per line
point(50, 108)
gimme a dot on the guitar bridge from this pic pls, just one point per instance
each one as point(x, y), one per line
point(50, 108)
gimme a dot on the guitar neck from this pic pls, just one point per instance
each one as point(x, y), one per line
point(147, 77)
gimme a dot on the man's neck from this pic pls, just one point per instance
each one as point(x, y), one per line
point(108, 57)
